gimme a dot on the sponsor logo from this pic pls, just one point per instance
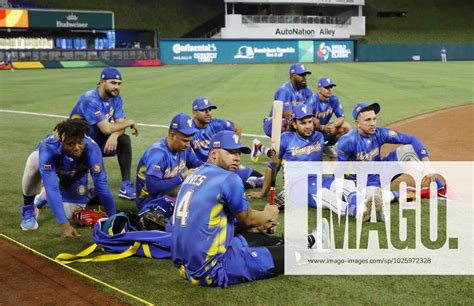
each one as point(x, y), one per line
point(205, 53)
point(157, 168)
point(333, 51)
point(71, 22)
point(81, 190)
point(296, 31)
point(72, 17)
point(248, 52)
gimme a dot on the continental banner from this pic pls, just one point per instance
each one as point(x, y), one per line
point(70, 19)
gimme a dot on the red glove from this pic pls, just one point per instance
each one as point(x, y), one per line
point(87, 217)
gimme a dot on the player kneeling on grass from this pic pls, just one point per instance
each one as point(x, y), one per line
point(204, 246)
point(63, 161)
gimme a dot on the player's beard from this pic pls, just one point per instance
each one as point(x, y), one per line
point(300, 85)
point(112, 93)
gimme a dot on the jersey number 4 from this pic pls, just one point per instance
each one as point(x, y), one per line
point(182, 209)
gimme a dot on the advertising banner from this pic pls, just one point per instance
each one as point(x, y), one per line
point(254, 51)
point(334, 51)
point(70, 19)
point(13, 18)
point(220, 52)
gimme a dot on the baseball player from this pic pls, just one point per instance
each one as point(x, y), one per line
point(292, 93)
point(307, 144)
point(444, 55)
point(364, 142)
point(325, 104)
point(102, 108)
point(210, 203)
point(207, 127)
point(62, 161)
point(161, 169)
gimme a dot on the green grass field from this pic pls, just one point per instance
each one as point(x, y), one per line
point(243, 93)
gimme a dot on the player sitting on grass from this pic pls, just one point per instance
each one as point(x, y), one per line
point(162, 167)
point(207, 127)
point(205, 246)
point(306, 144)
point(62, 161)
point(364, 143)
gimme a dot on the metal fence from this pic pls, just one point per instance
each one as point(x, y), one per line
point(81, 55)
point(295, 19)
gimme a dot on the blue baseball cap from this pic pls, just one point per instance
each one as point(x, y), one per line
point(325, 82)
point(298, 68)
point(363, 107)
point(228, 140)
point(202, 104)
point(110, 73)
point(183, 123)
point(302, 111)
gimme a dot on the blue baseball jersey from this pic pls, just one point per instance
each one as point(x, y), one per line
point(93, 109)
point(323, 110)
point(293, 147)
point(65, 179)
point(203, 222)
point(355, 147)
point(159, 161)
point(202, 139)
point(291, 96)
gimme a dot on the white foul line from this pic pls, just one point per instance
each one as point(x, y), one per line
point(59, 116)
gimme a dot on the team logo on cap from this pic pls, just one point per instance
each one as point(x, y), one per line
point(190, 122)
point(303, 108)
point(206, 101)
point(236, 138)
point(302, 67)
point(328, 80)
point(174, 125)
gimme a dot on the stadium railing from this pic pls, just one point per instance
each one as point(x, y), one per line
point(295, 19)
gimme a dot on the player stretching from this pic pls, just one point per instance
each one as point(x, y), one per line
point(102, 108)
point(161, 169)
point(204, 246)
point(63, 161)
point(364, 142)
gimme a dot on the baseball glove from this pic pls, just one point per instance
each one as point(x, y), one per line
point(87, 217)
point(153, 220)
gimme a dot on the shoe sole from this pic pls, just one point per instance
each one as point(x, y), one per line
point(123, 196)
point(375, 200)
point(25, 229)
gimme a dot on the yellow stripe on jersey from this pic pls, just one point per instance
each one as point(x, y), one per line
point(76, 116)
point(218, 245)
point(214, 217)
point(141, 172)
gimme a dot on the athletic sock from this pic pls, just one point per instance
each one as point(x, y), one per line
point(28, 200)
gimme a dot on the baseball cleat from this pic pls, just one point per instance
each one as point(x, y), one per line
point(255, 154)
point(374, 200)
point(330, 151)
point(40, 199)
point(319, 238)
point(29, 216)
point(127, 191)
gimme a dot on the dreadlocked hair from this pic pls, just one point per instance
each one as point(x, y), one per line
point(71, 128)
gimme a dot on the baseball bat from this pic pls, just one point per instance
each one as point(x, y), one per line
point(275, 144)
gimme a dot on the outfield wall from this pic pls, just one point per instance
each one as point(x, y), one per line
point(255, 51)
point(413, 52)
